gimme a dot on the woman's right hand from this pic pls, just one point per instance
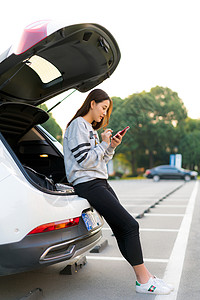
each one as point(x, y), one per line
point(106, 135)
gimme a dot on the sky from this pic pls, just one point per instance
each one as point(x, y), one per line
point(159, 42)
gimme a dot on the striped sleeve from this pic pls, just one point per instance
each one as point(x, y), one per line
point(81, 145)
point(79, 150)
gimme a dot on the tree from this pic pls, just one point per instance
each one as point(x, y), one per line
point(51, 125)
point(153, 117)
point(191, 125)
point(135, 112)
point(190, 149)
point(169, 106)
point(189, 142)
point(159, 134)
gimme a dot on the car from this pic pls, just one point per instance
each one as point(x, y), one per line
point(170, 172)
point(42, 220)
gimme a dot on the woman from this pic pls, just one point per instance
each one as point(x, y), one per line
point(85, 163)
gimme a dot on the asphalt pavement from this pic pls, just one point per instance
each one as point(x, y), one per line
point(168, 214)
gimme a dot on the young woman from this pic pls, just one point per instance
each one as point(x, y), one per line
point(85, 163)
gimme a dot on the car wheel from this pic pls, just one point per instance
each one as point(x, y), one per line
point(187, 178)
point(156, 178)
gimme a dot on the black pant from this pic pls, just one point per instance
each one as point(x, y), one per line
point(125, 228)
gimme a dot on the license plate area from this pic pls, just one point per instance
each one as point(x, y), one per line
point(91, 219)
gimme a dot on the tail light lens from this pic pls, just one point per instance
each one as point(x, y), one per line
point(32, 34)
point(36, 32)
point(147, 172)
point(55, 226)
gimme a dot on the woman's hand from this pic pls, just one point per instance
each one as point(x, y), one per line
point(106, 135)
point(116, 140)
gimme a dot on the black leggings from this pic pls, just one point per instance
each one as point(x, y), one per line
point(125, 228)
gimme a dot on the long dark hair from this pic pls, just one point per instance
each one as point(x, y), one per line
point(98, 96)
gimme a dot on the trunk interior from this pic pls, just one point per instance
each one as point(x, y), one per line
point(37, 155)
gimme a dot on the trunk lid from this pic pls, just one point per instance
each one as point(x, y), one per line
point(49, 60)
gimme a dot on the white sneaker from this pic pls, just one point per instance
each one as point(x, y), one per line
point(167, 284)
point(153, 286)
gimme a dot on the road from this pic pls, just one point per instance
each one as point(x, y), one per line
point(168, 214)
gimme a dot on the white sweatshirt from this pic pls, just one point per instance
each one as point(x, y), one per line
point(85, 157)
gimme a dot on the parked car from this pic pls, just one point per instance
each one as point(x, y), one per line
point(42, 221)
point(170, 172)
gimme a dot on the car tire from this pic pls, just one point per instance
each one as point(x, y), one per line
point(187, 178)
point(156, 178)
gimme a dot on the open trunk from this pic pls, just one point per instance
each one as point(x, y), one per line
point(35, 150)
point(47, 61)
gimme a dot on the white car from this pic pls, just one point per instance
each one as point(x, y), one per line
point(42, 221)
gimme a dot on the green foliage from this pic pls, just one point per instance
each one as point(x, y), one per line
point(153, 118)
point(51, 125)
point(169, 105)
point(189, 142)
point(190, 148)
point(191, 125)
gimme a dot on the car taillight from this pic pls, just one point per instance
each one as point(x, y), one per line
point(34, 33)
point(55, 226)
point(147, 172)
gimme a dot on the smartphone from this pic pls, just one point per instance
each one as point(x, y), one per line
point(122, 131)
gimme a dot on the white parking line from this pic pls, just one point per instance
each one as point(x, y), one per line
point(159, 205)
point(160, 215)
point(175, 266)
point(135, 205)
point(116, 258)
point(158, 229)
point(164, 215)
point(168, 205)
point(181, 199)
point(147, 229)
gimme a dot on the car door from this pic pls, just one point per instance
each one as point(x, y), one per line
point(166, 172)
point(172, 173)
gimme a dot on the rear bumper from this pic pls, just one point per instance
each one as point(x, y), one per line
point(148, 175)
point(47, 248)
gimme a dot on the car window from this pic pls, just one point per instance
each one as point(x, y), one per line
point(167, 169)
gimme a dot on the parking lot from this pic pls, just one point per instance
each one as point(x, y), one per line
point(167, 212)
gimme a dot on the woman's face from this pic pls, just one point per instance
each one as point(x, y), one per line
point(99, 110)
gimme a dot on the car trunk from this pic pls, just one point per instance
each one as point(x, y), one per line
point(34, 152)
point(46, 62)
